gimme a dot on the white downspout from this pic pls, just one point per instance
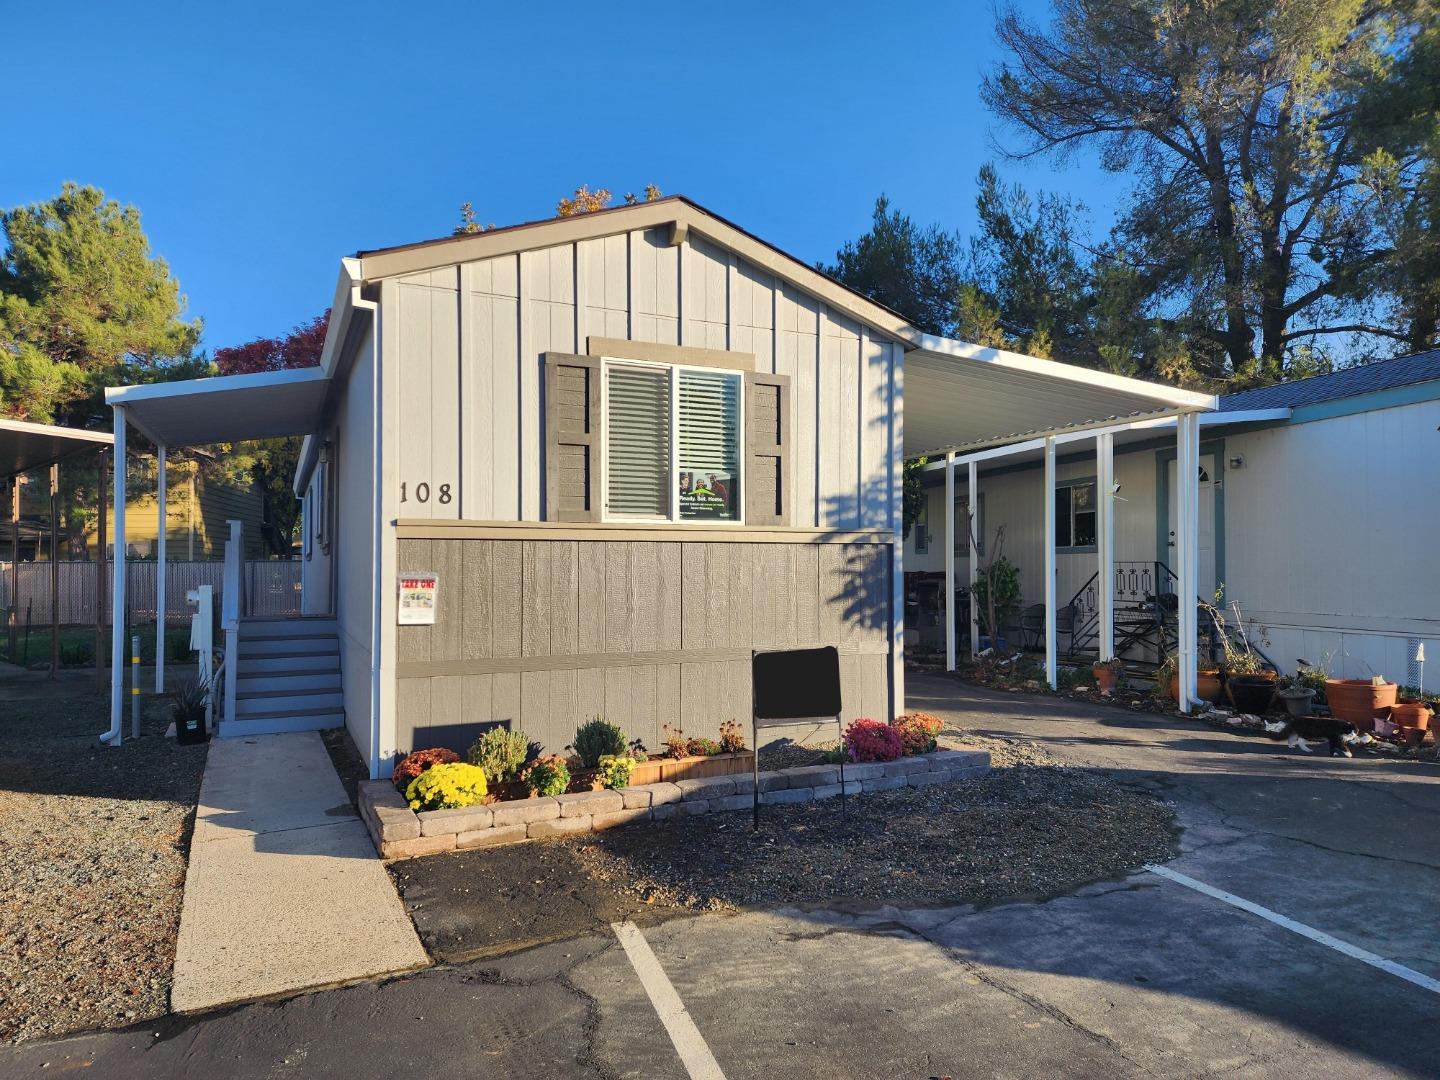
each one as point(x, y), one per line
point(117, 602)
point(377, 529)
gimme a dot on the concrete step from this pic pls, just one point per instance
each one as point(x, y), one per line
point(289, 662)
point(271, 723)
point(288, 679)
point(284, 701)
point(259, 626)
point(289, 646)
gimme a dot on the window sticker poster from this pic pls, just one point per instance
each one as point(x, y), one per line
point(705, 494)
point(418, 595)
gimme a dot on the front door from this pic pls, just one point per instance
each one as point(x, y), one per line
point(1206, 575)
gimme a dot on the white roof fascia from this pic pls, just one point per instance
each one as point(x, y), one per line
point(305, 465)
point(1244, 416)
point(29, 427)
point(347, 291)
point(125, 395)
point(342, 312)
point(1173, 397)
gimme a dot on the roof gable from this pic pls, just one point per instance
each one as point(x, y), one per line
point(684, 220)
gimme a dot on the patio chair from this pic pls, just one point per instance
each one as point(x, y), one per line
point(1032, 625)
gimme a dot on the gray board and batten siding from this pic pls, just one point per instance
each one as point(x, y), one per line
point(471, 341)
point(651, 625)
point(547, 633)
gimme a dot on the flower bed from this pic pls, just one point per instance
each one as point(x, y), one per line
point(401, 833)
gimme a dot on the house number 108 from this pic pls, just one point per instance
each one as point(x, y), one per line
point(422, 493)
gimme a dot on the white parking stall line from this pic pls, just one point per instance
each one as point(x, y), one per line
point(1400, 971)
point(689, 1043)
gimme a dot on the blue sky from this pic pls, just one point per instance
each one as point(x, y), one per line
point(262, 142)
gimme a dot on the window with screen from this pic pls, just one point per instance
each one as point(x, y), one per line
point(673, 439)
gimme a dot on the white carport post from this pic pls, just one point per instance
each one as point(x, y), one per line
point(1187, 507)
point(950, 561)
point(160, 595)
point(972, 552)
point(117, 602)
point(1105, 541)
point(1051, 672)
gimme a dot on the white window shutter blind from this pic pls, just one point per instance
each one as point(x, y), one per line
point(638, 442)
point(709, 426)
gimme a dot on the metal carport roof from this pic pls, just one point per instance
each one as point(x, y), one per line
point(26, 446)
point(961, 397)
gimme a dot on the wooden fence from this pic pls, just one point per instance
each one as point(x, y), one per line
point(272, 587)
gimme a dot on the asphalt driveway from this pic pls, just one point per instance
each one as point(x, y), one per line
point(1140, 976)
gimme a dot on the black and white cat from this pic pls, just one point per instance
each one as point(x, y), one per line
point(1300, 731)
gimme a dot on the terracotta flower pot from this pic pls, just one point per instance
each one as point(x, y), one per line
point(1207, 685)
point(1359, 700)
point(1252, 693)
point(1106, 678)
point(1412, 714)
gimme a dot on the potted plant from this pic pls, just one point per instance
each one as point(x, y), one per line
point(1414, 709)
point(1360, 701)
point(1108, 674)
point(1297, 698)
point(1167, 681)
point(1249, 680)
point(189, 709)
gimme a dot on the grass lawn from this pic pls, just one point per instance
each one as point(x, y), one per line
point(77, 645)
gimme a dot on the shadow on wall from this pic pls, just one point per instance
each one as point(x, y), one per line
point(866, 592)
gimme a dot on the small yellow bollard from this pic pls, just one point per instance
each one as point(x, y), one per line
point(135, 687)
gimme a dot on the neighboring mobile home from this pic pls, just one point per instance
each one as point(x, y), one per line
point(629, 446)
point(1317, 514)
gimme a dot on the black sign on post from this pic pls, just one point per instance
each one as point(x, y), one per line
point(789, 686)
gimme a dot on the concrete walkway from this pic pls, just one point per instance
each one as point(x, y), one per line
point(284, 890)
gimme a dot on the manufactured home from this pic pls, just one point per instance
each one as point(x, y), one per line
point(587, 465)
point(1316, 515)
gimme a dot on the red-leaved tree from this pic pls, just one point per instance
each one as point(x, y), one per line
point(298, 349)
point(271, 462)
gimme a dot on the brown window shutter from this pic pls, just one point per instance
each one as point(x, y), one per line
point(769, 445)
point(572, 439)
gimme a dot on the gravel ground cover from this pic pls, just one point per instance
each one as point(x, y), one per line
point(92, 860)
point(1030, 828)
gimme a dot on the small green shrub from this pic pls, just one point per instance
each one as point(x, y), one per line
point(702, 747)
point(595, 739)
point(615, 770)
point(76, 654)
point(500, 753)
point(447, 786)
point(548, 775)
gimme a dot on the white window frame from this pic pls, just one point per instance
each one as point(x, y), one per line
point(674, 371)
